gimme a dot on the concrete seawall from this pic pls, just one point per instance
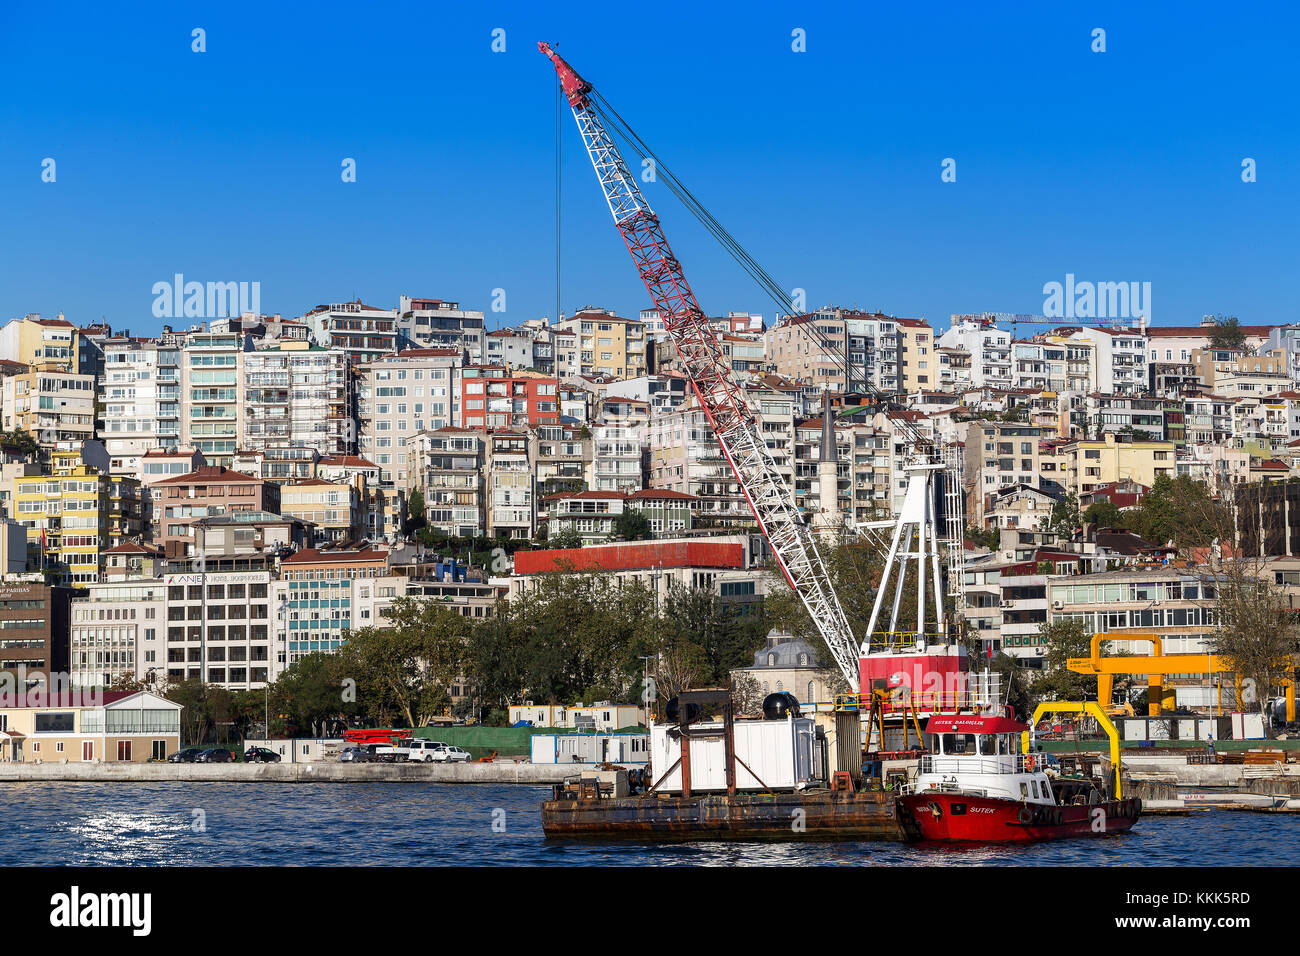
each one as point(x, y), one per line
point(520, 773)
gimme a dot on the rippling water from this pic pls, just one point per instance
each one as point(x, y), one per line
point(225, 824)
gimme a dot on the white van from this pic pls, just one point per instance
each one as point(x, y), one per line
point(422, 751)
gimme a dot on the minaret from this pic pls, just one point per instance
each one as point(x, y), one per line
point(828, 519)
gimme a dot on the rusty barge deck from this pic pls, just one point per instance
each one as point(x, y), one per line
point(815, 815)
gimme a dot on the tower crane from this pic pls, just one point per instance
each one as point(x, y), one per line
point(734, 423)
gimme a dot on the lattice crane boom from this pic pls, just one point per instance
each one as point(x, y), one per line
point(715, 385)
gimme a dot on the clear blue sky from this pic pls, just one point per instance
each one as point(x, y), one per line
point(225, 165)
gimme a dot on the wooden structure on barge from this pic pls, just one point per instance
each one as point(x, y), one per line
point(842, 811)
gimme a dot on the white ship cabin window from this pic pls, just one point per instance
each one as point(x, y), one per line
point(1024, 791)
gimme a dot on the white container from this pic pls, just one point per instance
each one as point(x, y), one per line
point(771, 754)
point(1135, 729)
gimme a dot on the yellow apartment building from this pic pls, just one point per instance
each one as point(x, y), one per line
point(74, 514)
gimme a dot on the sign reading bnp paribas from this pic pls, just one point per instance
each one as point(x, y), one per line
point(179, 299)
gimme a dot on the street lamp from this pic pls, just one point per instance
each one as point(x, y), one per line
point(645, 687)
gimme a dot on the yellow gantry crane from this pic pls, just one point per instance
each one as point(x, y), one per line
point(1156, 666)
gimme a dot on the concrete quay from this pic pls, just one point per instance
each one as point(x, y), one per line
point(468, 773)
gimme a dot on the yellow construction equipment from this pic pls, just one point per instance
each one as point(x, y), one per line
point(1156, 666)
point(1092, 709)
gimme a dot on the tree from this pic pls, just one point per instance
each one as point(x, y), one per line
point(1181, 510)
point(312, 690)
point(1257, 634)
point(1227, 334)
point(984, 538)
point(1104, 514)
point(1064, 520)
point(21, 439)
point(1064, 639)
point(632, 525)
point(415, 513)
point(566, 537)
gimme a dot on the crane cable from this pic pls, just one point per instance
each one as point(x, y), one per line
point(738, 252)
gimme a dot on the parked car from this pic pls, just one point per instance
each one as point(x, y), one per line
point(448, 754)
point(354, 755)
point(422, 751)
point(216, 755)
point(188, 755)
point(261, 755)
point(380, 753)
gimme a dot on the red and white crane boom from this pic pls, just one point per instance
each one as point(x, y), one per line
point(715, 386)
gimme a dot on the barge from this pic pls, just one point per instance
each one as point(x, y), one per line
point(781, 778)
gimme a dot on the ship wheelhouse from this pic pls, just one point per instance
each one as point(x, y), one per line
point(980, 755)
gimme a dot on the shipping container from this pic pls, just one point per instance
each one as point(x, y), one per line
point(771, 755)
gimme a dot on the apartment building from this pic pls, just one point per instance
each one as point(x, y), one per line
point(219, 628)
point(140, 395)
point(447, 466)
point(74, 514)
point(607, 344)
point(496, 397)
point(685, 457)
point(1238, 374)
point(1088, 464)
point(209, 490)
point(1120, 358)
point(400, 396)
point(438, 324)
point(999, 454)
point(118, 631)
point(988, 346)
point(212, 387)
point(511, 511)
point(56, 408)
point(319, 594)
point(298, 395)
point(333, 507)
point(363, 332)
point(49, 345)
point(564, 458)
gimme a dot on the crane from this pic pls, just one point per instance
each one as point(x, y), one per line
point(714, 383)
point(916, 660)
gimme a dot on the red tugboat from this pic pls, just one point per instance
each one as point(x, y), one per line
point(976, 786)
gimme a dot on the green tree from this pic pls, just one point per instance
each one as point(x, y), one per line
point(1181, 510)
point(566, 537)
point(1227, 333)
point(416, 517)
point(632, 525)
point(1064, 639)
point(1104, 514)
point(312, 691)
point(22, 440)
point(1064, 520)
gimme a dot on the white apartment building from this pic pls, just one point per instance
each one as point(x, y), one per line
point(140, 393)
point(438, 324)
point(298, 395)
point(988, 346)
point(511, 511)
point(1120, 355)
point(400, 396)
point(117, 631)
point(212, 394)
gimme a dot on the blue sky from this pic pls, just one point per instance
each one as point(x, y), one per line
point(225, 165)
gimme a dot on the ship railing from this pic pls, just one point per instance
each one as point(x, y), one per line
point(910, 788)
point(991, 763)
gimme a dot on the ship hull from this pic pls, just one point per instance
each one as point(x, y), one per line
point(962, 818)
point(741, 816)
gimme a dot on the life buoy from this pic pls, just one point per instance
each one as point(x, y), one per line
point(1029, 764)
point(1026, 814)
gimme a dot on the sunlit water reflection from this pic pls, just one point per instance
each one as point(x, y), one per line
point(224, 824)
